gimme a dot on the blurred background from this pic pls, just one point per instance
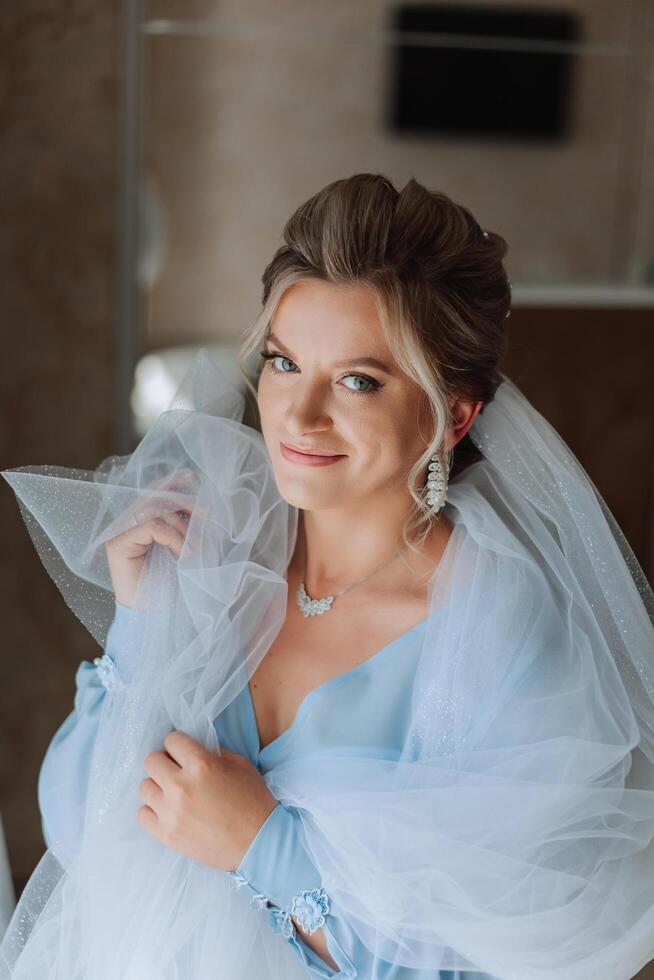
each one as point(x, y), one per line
point(151, 154)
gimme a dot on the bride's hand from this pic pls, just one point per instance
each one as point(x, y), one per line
point(127, 551)
point(207, 806)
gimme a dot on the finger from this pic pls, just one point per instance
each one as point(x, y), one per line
point(160, 532)
point(169, 530)
point(142, 512)
point(151, 793)
point(177, 519)
point(137, 542)
point(169, 536)
point(157, 507)
point(148, 820)
point(173, 517)
point(161, 767)
point(185, 482)
point(182, 747)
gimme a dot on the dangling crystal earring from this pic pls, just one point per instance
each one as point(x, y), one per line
point(436, 484)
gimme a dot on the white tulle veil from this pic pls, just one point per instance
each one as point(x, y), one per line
point(513, 835)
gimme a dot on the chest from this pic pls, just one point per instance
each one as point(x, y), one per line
point(308, 652)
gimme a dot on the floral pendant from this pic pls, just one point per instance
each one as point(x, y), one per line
point(312, 607)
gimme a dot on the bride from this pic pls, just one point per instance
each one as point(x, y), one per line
point(376, 697)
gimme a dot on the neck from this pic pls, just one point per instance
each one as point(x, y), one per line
point(341, 545)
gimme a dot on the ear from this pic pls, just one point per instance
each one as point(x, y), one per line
point(464, 414)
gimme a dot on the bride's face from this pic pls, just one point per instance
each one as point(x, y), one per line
point(334, 387)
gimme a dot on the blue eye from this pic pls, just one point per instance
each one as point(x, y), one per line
point(374, 385)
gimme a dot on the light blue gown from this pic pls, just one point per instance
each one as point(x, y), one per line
point(343, 711)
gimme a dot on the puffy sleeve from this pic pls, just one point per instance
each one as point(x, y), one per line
point(64, 775)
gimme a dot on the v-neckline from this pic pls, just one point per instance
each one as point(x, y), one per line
point(318, 690)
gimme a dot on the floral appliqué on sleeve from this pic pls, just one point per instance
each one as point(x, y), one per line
point(310, 908)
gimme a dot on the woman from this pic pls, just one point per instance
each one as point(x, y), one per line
point(424, 705)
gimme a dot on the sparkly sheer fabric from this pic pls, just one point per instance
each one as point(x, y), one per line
point(513, 833)
point(363, 711)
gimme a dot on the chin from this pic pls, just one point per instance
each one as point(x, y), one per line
point(304, 498)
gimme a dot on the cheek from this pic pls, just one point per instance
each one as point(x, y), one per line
point(269, 393)
point(394, 445)
point(385, 432)
point(272, 417)
point(265, 403)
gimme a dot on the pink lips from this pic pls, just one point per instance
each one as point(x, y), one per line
point(307, 459)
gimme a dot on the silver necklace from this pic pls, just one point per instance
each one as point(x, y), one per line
point(316, 607)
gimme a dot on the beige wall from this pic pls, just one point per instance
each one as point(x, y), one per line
point(244, 125)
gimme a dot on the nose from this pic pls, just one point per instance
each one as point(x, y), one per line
point(306, 412)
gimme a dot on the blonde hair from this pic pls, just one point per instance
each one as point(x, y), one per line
point(440, 288)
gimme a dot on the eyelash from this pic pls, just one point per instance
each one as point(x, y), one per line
point(271, 355)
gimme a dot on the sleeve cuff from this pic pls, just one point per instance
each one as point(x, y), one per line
point(276, 863)
point(277, 869)
point(123, 637)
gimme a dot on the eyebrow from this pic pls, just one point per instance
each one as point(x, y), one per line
point(367, 361)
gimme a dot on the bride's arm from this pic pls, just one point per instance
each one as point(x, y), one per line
point(64, 774)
